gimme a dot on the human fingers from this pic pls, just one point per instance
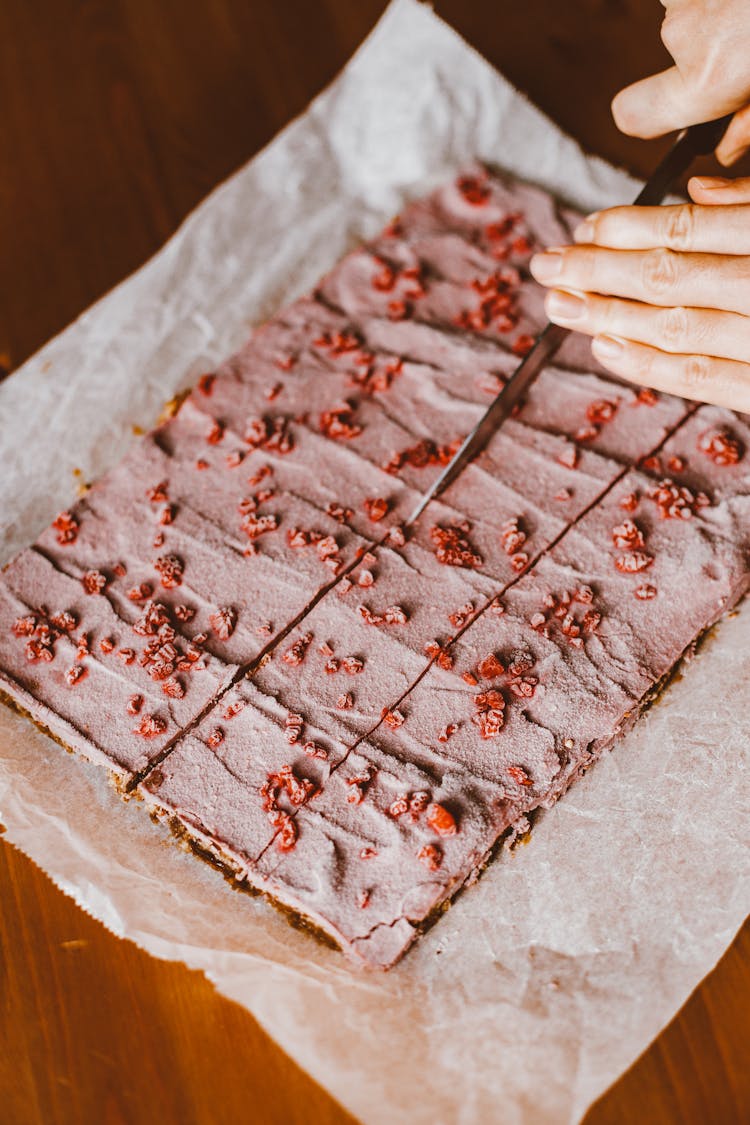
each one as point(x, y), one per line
point(678, 330)
point(712, 191)
point(722, 382)
point(685, 227)
point(657, 277)
point(664, 102)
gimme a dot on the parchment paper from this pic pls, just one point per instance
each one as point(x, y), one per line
point(545, 980)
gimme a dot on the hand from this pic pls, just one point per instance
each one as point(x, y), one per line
point(678, 318)
point(709, 41)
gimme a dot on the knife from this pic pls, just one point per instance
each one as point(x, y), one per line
point(694, 141)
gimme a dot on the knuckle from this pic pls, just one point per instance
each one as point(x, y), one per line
point(697, 371)
point(659, 272)
point(675, 326)
point(679, 226)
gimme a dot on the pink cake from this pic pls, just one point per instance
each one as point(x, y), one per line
point(346, 714)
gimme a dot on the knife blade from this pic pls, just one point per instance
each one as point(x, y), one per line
point(694, 141)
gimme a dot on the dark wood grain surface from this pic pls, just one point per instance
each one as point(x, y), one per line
point(116, 118)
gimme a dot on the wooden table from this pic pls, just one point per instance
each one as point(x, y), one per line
point(117, 117)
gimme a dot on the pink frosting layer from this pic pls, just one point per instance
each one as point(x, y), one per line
point(402, 711)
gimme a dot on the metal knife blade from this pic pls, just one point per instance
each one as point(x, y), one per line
point(691, 142)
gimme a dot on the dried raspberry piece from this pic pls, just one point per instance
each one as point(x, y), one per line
point(676, 464)
point(519, 562)
point(490, 667)
point(569, 457)
point(424, 453)
point(339, 513)
point(364, 899)
point(440, 820)
point(297, 651)
point(396, 536)
point(345, 702)
point(490, 715)
point(394, 615)
point(469, 678)
point(590, 621)
point(633, 563)
point(358, 786)
point(206, 383)
point(215, 738)
point(601, 411)
point(520, 776)
point(173, 688)
point(202, 464)
point(629, 503)
point(352, 665)
point(158, 494)
point(513, 537)
point(338, 423)
point(646, 397)
point(126, 655)
point(563, 494)
point(24, 626)
point(676, 502)
point(83, 646)
point(627, 536)
point(215, 432)
point(140, 593)
point(365, 579)
point(223, 622)
point(331, 666)
point(134, 704)
point(338, 343)
point(399, 310)
point(645, 593)
point(385, 280)
point(651, 464)
point(474, 189)
point(523, 344)
point(447, 732)
point(586, 433)
point(523, 687)
point(520, 662)
point(107, 645)
point(452, 548)
point(40, 650)
point(167, 514)
point(154, 617)
point(394, 718)
point(418, 802)
point(400, 806)
point(315, 750)
point(368, 853)
point(459, 618)
point(584, 595)
point(76, 673)
point(93, 581)
point(430, 856)
point(66, 526)
point(376, 508)
point(234, 709)
point(183, 613)
point(721, 446)
point(150, 726)
point(439, 654)
point(288, 833)
point(170, 569)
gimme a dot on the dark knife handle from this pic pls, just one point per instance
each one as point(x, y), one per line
point(697, 140)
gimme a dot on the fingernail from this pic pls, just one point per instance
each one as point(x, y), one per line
point(607, 347)
point(546, 266)
point(586, 230)
point(710, 182)
point(561, 305)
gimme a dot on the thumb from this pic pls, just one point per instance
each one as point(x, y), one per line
point(660, 104)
